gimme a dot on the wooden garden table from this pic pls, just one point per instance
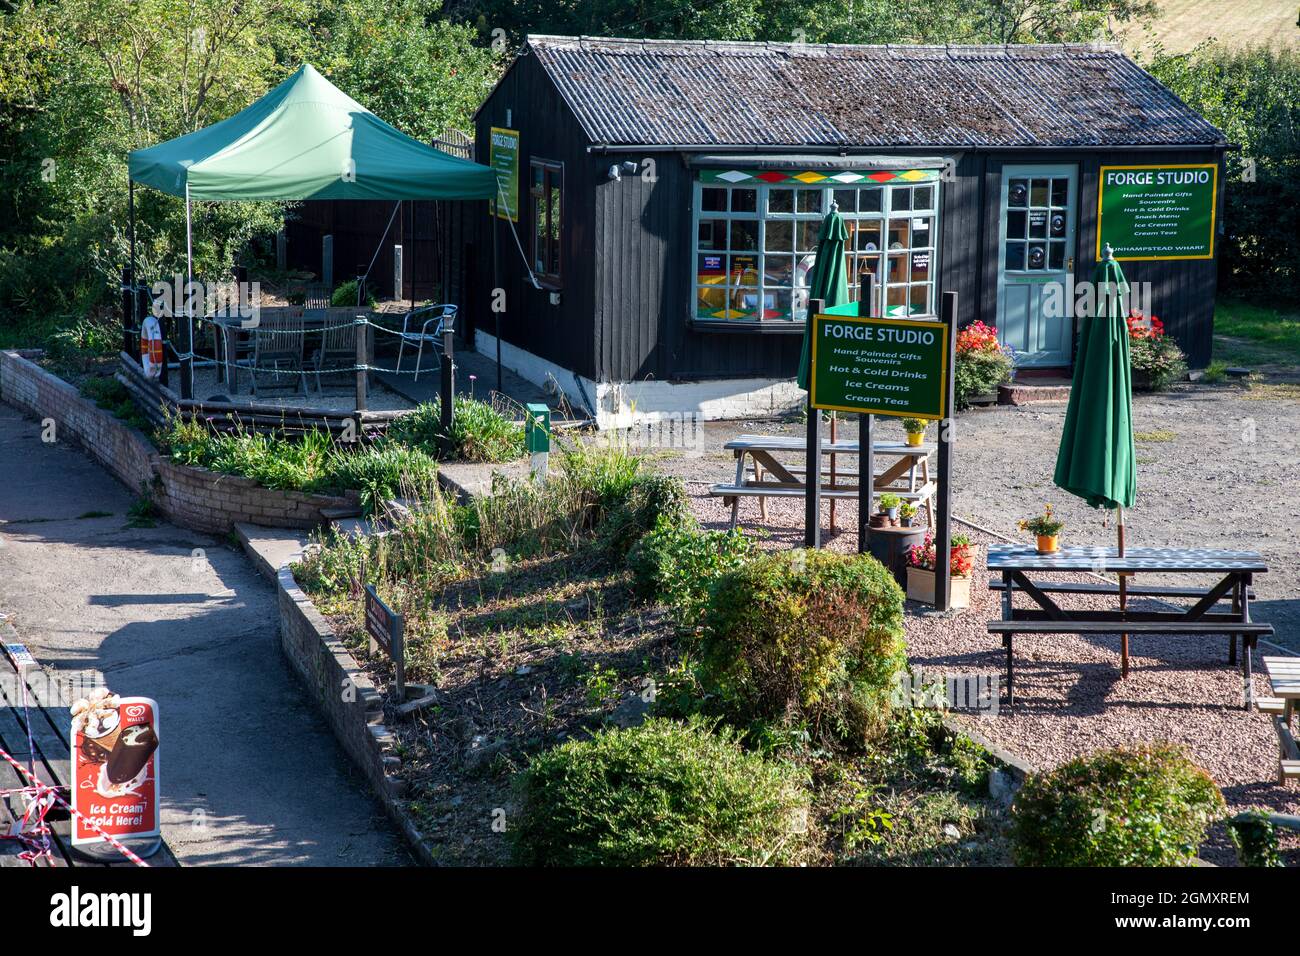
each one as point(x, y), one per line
point(759, 474)
point(1234, 570)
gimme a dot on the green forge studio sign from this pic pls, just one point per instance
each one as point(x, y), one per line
point(879, 366)
point(1158, 212)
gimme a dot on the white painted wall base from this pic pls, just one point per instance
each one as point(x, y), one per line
point(624, 404)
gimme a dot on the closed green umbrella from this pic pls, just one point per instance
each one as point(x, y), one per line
point(1096, 460)
point(827, 281)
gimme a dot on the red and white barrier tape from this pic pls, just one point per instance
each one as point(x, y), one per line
point(42, 794)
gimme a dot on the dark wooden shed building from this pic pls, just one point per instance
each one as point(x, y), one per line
point(669, 196)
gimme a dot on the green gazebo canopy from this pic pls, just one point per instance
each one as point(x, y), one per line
point(306, 139)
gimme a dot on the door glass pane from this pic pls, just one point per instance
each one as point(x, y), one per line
point(1018, 193)
point(1060, 192)
point(1016, 222)
point(1038, 193)
point(1056, 255)
point(1038, 224)
point(780, 235)
point(1015, 255)
point(1057, 224)
point(1037, 255)
point(713, 199)
point(780, 200)
point(744, 200)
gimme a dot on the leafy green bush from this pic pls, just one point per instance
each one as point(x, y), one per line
point(677, 562)
point(647, 502)
point(1255, 838)
point(1156, 362)
point(806, 637)
point(345, 296)
point(480, 431)
point(1142, 806)
point(662, 794)
point(978, 373)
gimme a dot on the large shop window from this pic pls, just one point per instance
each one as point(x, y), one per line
point(547, 188)
point(756, 240)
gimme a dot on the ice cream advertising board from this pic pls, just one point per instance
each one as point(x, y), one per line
point(1157, 212)
point(115, 767)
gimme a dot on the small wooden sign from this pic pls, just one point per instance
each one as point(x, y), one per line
point(384, 627)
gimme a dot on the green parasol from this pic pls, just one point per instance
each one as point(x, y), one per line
point(827, 281)
point(1096, 460)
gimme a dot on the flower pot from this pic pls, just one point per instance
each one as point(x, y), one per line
point(893, 513)
point(915, 438)
point(920, 587)
point(1047, 544)
point(907, 521)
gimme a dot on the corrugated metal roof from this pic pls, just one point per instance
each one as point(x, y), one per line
point(705, 93)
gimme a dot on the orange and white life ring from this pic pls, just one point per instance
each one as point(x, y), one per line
point(151, 347)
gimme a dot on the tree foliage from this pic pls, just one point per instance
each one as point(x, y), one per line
point(90, 80)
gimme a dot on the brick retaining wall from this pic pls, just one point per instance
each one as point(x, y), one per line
point(190, 497)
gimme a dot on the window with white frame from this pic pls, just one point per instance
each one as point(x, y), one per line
point(756, 240)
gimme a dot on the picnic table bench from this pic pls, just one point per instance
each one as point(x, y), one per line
point(1284, 681)
point(1010, 566)
point(760, 475)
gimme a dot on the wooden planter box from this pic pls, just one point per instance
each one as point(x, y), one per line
point(920, 587)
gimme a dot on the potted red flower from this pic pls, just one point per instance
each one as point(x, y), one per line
point(920, 570)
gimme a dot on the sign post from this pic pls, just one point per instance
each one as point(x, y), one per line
point(943, 519)
point(866, 440)
point(812, 516)
point(385, 628)
point(1158, 212)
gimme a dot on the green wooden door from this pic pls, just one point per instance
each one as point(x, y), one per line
point(1036, 249)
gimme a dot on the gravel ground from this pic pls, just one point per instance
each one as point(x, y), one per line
point(1202, 485)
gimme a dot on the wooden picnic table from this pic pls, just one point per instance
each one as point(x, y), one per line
point(760, 475)
point(1284, 681)
point(1010, 567)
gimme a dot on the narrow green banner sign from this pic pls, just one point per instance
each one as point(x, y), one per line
point(879, 366)
point(503, 157)
point(1158, 212)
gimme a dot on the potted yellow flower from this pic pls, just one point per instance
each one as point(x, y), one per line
point(915, 428)
point(1046, 527)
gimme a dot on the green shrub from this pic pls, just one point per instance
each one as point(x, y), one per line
point(345, 296)
point(1159, 360)
point(662, 794)
point(1142, 806)
point(647, 502)
point(811, 638)
point(677, 562)
point(480, 431)
point(312, 462)
point(978, 373)
point(1255, 838)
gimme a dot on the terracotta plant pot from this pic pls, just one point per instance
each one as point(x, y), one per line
point(1047, 544)
point(915, 438)
point(920, 587)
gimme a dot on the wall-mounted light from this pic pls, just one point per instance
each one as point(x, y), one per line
point(628, 166)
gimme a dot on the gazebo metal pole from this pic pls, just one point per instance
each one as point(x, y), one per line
point(187, 361)
point(134, 312)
